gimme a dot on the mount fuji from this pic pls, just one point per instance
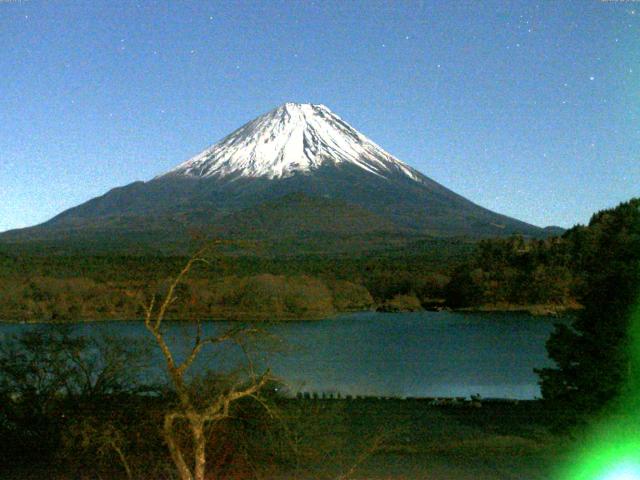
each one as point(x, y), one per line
point(296, 170)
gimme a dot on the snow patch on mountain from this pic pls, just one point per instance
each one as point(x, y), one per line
point(292, 138)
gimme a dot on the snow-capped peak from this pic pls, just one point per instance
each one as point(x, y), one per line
point(292, 138)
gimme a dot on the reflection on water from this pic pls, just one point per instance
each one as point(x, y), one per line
point(408, 354)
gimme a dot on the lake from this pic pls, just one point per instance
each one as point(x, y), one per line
point(423, 354)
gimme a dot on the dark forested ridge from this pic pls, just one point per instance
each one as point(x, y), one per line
point(36, 285)
point(515, 272)
point(552, 272)
point(301, 277)
point(334, 200)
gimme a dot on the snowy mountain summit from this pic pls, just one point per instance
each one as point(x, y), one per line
point(292, 138)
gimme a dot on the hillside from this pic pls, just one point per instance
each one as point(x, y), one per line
point(297, 169)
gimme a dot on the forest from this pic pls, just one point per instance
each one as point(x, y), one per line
point(542, 276)
point(246, 282)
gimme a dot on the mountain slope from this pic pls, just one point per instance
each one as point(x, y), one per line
point(297, 151)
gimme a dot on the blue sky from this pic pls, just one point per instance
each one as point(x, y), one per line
point(531, 109)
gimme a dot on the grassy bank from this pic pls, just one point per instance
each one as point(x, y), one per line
point(413, 439)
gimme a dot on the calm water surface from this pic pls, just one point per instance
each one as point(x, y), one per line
point(407, 354)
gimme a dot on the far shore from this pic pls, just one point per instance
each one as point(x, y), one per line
point(543, 310)
point(535, 310)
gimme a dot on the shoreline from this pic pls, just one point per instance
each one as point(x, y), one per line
point(535, 310)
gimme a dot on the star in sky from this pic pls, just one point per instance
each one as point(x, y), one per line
point(549, 34)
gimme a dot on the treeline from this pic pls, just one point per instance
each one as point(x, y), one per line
point(517, 272)
point(76, 287)
point(409, 260)
point(259, 297)
point(550, 273)
point(542, 276)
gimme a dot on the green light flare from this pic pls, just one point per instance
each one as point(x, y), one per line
point(624, 471)
point(612, 449)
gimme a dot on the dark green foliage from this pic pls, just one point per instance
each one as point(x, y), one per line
point(401, 303)
point(515, 271)
point(74, 286)
point(78, 408)
point(51, 379)
point(465, 289)
point(274, 296)
point(349, 296)
point(592, 354)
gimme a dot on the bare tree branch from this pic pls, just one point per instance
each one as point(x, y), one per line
point(218, 408)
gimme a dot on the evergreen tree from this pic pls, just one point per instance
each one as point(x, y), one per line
point(592, 354)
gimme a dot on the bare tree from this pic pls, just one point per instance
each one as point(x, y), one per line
point(197, 415)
